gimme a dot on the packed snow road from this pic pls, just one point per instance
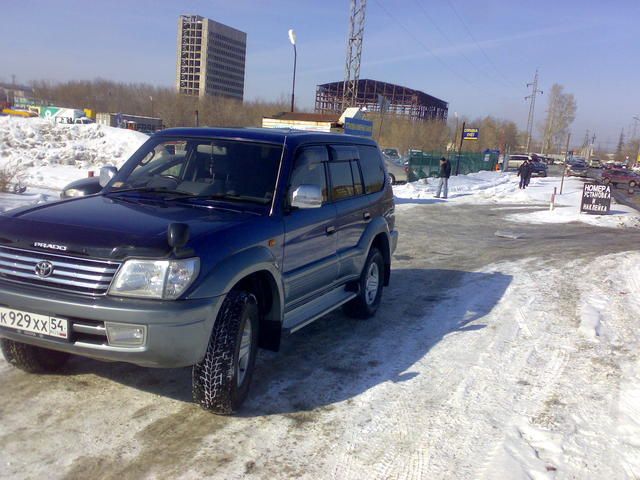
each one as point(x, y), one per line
point(502, 349)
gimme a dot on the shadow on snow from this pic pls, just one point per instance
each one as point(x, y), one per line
point(337, 358)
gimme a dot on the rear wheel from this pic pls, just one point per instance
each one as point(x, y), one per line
point(632, 184)
point(371, 280)
point(221, 380)
point(32, 359)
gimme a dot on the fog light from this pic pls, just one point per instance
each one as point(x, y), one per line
point(124, 335)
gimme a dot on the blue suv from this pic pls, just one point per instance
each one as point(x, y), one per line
point(206, 245)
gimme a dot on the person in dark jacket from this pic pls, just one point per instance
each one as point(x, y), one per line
point(524, 172)
point(445, 173)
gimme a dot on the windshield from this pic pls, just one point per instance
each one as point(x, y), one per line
point(211, 168)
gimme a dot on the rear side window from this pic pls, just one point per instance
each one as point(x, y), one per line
point(341, 180)
point(346, 180)
point(372, 169)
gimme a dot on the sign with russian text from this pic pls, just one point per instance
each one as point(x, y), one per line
point(470, 134)
point(596, 198)
point(357, 126)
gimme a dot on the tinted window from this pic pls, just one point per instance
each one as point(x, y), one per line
point(341, 180)
point(372, 169)
point(308, 169)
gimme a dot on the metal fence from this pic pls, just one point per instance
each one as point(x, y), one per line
point(427, 164)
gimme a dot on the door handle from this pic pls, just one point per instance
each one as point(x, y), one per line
point(330, 230)
point(366, 216)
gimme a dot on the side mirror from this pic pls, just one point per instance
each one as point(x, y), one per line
point(106, 174)
point(307, 196)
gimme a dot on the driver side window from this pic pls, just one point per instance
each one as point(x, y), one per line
point(309, 169)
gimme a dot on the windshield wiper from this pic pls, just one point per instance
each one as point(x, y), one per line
point(150, 190)
point(226, 196)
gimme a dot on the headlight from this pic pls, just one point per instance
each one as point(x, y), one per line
point(73, 192)
point(165, 279)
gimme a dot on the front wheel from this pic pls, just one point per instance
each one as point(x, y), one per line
point(392, 179)
point(366, 303)
point(632, 184)
point(32, 359)
point(221, 380)
point(607, 181)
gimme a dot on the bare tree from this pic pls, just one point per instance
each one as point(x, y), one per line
point(560, 115)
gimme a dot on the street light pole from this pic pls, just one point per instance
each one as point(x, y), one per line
point(292, 39)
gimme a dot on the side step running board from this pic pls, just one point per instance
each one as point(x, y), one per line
point(309, 312)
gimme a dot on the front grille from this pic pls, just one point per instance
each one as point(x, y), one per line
point(71, 274)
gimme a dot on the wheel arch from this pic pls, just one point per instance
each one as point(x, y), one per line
point(257, 271)
point(263, 285)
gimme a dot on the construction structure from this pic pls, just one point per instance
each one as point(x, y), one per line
point(354, 53)
point(382, 97)
point(211, 58)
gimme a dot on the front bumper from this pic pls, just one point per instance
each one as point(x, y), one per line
point(177, 331)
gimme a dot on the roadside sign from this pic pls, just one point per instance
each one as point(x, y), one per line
point(596, 198)
point(470, 134)
point(357, 126)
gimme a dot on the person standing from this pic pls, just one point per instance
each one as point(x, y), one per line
point(524, 172)
point(529, 173)
point(445, 173)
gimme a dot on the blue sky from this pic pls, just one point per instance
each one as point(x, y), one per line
point(589, 47)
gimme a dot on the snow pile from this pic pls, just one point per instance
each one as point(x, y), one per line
point(54, 154)
point(458, 185)
point(502, 188)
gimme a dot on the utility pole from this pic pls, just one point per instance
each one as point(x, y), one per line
point(585, 144)
point(532, 107)
point(636, 119)
point(566, 157)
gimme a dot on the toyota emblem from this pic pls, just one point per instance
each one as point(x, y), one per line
point(44, 269)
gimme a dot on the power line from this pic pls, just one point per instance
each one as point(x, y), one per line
point(466, 27)
point(419, 42)
point(448, 39)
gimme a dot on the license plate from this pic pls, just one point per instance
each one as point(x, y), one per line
point(26, 322)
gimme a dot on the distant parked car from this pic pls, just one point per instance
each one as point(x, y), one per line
point(539, 168)
point(615, 166)
point(81, 188)
point(619, 176)
point(516, 160)
point(577, 169)
point(595, 163)
point(398, 173)
point(392, 154)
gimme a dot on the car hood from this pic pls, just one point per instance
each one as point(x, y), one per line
point(110, 226)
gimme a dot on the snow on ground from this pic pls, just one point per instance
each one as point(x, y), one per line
point(502, 188)
point(55, 154)
point(496, 381)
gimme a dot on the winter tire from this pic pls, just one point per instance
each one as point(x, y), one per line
point(632, 184)
point(392, 178)
point(221, 380)
point(371, 280)
point(32, 359)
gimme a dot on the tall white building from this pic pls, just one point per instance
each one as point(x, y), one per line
point(211, 58)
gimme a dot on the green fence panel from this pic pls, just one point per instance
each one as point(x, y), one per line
point(427, 164)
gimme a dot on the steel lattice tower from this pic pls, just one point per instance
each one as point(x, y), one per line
point(354, 53)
